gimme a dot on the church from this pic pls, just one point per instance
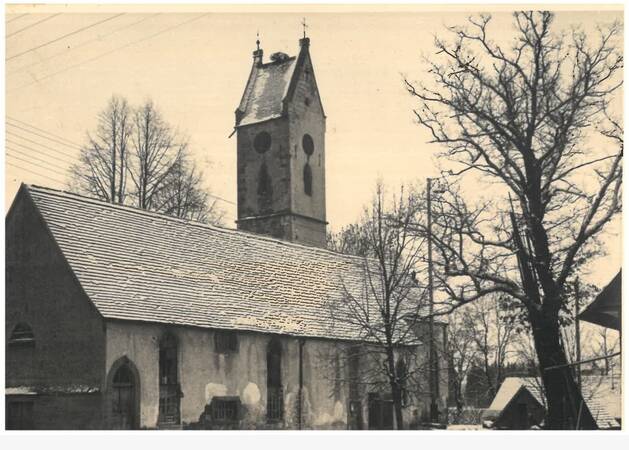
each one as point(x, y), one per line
point(120, 318)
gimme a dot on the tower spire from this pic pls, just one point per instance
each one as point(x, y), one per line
point(303, 23)
point(258, 40)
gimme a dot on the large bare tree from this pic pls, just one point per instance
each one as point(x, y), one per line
point(135, 157)
point(103, 162)
point(389, 310)
point(520, 115)
point(156, 152)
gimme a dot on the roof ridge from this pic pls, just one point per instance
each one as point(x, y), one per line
point(135, 209)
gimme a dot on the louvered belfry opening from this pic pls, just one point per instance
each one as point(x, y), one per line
point(169, 389)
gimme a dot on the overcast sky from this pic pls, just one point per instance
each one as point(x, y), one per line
point(194, 66)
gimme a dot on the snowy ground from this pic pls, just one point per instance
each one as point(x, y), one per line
point(465, 427)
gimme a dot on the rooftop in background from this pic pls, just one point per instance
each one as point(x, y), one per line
point(606, 309)
point(601, 394)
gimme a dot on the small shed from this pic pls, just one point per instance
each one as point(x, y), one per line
point(519, 403)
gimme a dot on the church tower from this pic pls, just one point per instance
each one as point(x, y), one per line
point(280, 128)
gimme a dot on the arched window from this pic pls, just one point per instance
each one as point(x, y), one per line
point(275, 402)
point(22, 334)
point(308, 180)
point(169, 392)
point(265, 189)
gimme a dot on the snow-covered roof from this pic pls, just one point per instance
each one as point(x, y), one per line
point(139, 265)
point(602, 399)
point(265, 91)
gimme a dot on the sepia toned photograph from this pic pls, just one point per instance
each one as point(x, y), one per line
point(313, 217)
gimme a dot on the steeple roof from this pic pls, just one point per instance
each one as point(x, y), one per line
point(266, 91)
point(270, 86)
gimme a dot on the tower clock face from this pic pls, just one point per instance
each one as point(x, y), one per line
point(262, 142)
point(307, 144)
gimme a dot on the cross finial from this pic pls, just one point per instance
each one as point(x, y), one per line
point(258, 39)
point(303, 23)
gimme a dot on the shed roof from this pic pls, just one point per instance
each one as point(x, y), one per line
point(139, 265)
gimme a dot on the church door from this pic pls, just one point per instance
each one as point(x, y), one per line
point(123, 399)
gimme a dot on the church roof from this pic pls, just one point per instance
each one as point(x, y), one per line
point(139, 265)
point(266, 90)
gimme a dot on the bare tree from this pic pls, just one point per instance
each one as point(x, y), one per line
point(182, 194)
point(103, 162)
point(156, 152)
point(519, 116)
point(139, 145)
point(387, 310)
point(492, 336)
point(462, 350)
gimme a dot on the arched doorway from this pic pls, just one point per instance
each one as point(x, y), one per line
point(124, 395)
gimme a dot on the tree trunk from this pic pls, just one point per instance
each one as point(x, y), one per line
point(565, 407)
point(396, 394)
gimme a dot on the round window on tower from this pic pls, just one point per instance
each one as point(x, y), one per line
point(307, 144)
point(262, 142)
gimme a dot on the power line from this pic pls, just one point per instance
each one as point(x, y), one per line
point(67, 155)
point(79, 146)
point(28, 155)
point(110, 51)
point(15, 18)
point(42, 152)
point(42, 136)
point(66, 51)
point(62, 37)
point(31, 25)
point(10, 149)
point(8, 163)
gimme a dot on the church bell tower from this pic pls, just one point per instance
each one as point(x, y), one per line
point(280, 129)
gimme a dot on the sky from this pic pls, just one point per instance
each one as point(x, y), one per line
point(193, 62)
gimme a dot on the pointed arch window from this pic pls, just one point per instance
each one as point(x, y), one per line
point(22, 334)
point(169, 391)
point(308, 180)
point(275, 401)
point(265, 189)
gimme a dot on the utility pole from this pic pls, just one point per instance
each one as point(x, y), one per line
point(434, 412)
point(577, 331)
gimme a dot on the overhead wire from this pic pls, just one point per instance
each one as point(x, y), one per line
point(66, 51)
point(58, 141)
point(110, 52)
point(63, 37)
point(58, 155)
point(16, 18)
point(8, 163)
point(31, 25)
point(10, 149)
point(21, 122)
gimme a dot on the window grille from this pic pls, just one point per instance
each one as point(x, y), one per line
point(274, 405)
point(225, 409)
point(226, 342)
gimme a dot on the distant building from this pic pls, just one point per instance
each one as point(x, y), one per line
point(519, 403)
point(121, 318)
point(606, 309)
